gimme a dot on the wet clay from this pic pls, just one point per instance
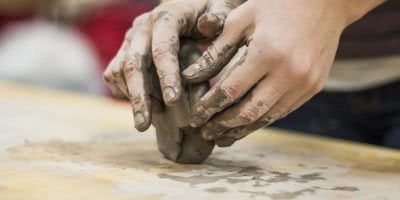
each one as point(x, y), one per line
point(176, 139)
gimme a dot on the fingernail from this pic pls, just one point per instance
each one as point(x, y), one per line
point(139, 119)
point(169, 94)
point(217, 20)
point(210, 24)
point(189, 73)
point(192, 71)
point(196, 121)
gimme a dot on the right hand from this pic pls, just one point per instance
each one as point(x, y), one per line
point(156, 35)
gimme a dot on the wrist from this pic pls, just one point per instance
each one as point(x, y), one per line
point(356, 9)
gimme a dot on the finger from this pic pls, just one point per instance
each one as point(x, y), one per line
point(233, 63)
point(211, 23)
point(165, 53)
point(284, 105)
point(167, 27)
point(232, 135)
point(227, 91)
point(314, 83)
point(218, 54)
point(254, 106)
point(138, 60)
point(113, 75)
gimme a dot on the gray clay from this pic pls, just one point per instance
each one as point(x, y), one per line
point(176, 140)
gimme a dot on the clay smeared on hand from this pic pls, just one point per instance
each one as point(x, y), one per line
point(176, 139)
point(147, 71)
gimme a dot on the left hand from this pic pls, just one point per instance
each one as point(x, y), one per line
point(154, 38)
point(291, 46)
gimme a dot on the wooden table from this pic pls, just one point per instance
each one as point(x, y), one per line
point(65, 146)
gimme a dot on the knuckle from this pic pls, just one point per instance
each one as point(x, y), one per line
point(209, 57)
point(163, 49)
point(162, 15)
point(299, 69)
point(249, 115)
point(159, 51)
point(142, 19)
point(107, 76)
point(229, 92)
point(132, 66)
point(276, 53)
point(112, 72)
point(116, 72)
point(136, 100)
point(217, 126)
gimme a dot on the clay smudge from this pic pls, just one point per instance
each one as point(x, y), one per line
point(290, 195)
point(286, 177)
point(254, 193)
point(243, 175)
point(345, 188)
point(280, 195)
point(301, 165)
point(279, 177)
point(310, 177)
point(217, 190)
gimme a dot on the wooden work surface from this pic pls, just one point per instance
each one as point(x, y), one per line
point(63, 146)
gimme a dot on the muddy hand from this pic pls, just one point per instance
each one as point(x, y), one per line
point(154, 36)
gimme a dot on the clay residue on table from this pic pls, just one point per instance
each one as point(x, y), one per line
point(239, 175)
point(345, 188)
point(282, 195)
point(217, 190)
point(246, 174)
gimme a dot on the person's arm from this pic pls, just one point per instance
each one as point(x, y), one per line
point(359, 8)
point(290, 48)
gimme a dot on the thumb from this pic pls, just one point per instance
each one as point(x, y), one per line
point(211, 23)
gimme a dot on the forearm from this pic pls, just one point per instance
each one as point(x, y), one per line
point(359, 8)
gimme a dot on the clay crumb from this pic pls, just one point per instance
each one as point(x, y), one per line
point(346, 188)
point(217, 190)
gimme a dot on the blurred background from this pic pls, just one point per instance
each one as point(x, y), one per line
point(63, 44)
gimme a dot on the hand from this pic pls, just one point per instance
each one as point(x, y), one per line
point(156, 35)
point(290, 47)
